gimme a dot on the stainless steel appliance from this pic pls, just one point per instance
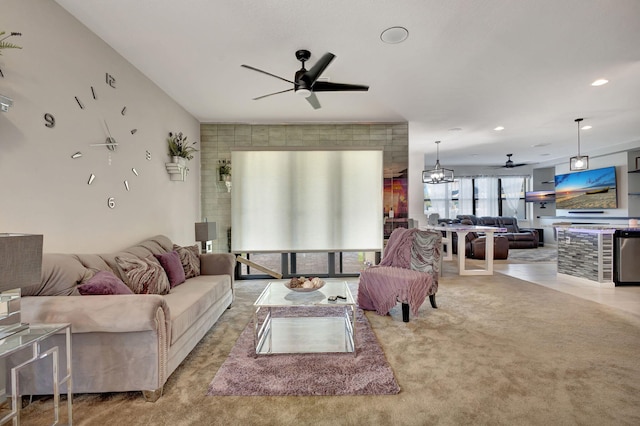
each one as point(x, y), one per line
point(626, 257)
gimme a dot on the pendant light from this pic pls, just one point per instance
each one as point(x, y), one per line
point(579, 162)
point(438, 174)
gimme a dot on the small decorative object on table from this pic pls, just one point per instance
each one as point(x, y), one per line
point(303, 284)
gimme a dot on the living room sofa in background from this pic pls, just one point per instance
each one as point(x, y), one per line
point(127, 342)
point(518, 237)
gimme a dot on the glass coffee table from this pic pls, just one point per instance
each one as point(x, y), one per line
point(287, 321)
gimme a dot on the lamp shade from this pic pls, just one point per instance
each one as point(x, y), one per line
point(206, 231)
point(20, 260)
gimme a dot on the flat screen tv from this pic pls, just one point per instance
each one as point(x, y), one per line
point(539, 196)
point(588, 189)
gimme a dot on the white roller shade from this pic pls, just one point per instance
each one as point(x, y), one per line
point(306, 200)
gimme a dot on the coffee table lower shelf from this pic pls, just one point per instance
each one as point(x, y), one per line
point(305, 335)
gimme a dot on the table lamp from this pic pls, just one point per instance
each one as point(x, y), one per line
point(205, 233)
point(20, 266)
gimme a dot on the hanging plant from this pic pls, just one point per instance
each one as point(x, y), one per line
point(225, 167)
point(6, 45)
point(179, 147)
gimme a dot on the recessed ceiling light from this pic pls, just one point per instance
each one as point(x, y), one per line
point(538, 145)
point(586, 127)
point(456, 129)
point(499, 129)
point(599, 82)
point(394, 35)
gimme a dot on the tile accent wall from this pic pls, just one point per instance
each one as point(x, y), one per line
point(586, 255)
point(217, 141)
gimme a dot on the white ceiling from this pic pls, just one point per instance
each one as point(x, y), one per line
point(526, 65)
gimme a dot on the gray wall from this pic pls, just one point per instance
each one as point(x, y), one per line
point(219, 139)
point(45, 191)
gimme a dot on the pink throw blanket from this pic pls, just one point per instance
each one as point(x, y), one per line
point(398, 250)
point(381, 287)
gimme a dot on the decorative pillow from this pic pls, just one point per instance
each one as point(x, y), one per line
point(103, 282)
point(190, 259)
point(143, 276)
point(172, 266)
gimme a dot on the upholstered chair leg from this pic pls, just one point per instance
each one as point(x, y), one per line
point(152, 395)
point(405, 312)
point(432, 299)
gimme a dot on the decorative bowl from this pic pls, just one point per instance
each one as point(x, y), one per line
point(319, 285)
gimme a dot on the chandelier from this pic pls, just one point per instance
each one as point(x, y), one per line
point(438, 174)
point(579, 162)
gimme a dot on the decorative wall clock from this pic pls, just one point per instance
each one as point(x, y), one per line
point(89, 101)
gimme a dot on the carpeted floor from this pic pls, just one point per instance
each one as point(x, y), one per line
point(497, 351)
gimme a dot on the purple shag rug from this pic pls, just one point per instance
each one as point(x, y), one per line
point(368, 373)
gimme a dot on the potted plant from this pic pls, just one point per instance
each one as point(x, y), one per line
point(179, 149)
point(7, 45)
point(225, 170)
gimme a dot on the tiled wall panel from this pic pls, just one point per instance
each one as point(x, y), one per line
point(217, 140)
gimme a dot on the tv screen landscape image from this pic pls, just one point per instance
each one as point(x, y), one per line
point(589, 189)
point(539, 196)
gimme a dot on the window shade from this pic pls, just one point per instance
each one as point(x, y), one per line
point(306, 200)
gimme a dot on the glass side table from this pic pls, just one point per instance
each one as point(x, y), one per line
point(32, 338)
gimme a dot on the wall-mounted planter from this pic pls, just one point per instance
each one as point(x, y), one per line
point(177, 169)
point(227, 181)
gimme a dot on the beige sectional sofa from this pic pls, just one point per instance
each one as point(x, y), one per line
point(125, 342)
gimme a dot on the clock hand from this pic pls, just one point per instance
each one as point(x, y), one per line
point(110, 142)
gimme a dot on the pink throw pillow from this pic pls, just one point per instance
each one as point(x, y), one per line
point(103, 282)
point(172, 266)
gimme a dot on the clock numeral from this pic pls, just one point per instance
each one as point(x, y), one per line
point(148, 155)
point(126, 184)
point(50, 120)
point(79, 103)
point(91, 178)
point(93, 93)
point(111, 202)
point(1, 74)
point(135, 172)
point(124, 111)
point(77, 155)
point(111, 81)
point(133, 131)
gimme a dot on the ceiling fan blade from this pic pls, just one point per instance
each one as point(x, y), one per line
point(268, 73)
point(325, 86)
point(316, 70)
point(271, 94)
point(313, 100)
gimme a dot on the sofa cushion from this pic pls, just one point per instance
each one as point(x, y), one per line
point(190, 259)
point(143, 276)
point(61, 273)
point(104, 282)
point(511, 223)
point(190, 301)
point(172, 267)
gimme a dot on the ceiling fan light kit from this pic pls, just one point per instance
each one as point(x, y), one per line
point(305, 82)
point(579, 162)
point(509, 164)
point(438, 174)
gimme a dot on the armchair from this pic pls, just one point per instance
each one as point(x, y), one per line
point(408, 273)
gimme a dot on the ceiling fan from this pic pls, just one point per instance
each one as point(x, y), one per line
point(305, 82)
point(509, 164)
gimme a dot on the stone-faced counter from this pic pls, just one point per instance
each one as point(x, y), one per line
point(586, 252)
